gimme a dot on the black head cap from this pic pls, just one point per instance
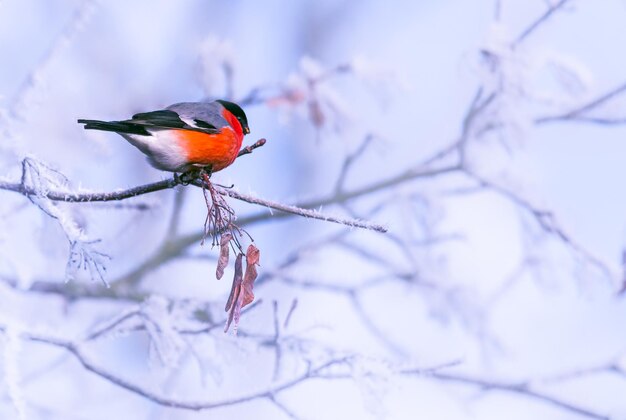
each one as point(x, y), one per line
point(238, 113)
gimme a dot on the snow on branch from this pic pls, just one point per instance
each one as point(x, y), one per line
point(88, 197)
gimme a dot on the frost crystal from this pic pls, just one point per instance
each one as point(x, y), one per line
point(83, 254)
point(166, 345)
point(505, 74)
point(522, 78)
point(372, 376)
point(12, 349)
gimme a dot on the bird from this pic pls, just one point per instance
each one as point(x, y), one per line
point(184, 137)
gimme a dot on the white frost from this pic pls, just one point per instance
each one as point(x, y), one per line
point(12, 374)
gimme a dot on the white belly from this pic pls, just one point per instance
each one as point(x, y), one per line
point(161, 148)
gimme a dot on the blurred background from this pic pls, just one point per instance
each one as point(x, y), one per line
point(487, 136)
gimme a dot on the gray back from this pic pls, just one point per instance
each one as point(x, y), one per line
point(210, 112)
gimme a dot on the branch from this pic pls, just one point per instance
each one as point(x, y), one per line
point(577, 114)
point(612, 367)
point(312, 214)
point(546, 220)
point(248, 149)
point(87, 197)
point(537, 23)
point(522, 389)
point(77, 351)
point(350, 160)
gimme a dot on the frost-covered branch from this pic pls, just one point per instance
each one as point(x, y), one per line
point(78, 350)
point(547, 221)
point(539, 22)
point(89, 197)
point(581, 113)
point(523, 389)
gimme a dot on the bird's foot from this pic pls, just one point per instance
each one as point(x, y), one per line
point(195, 174)
point(186, 178)
point(205, 174)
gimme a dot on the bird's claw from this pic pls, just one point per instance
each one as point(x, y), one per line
point(186, 178)
point(196, 174)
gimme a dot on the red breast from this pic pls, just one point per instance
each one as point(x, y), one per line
point(218, 150)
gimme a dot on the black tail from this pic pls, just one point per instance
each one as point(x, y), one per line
point(116, 126)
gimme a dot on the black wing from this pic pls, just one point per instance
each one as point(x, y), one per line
point(140, 123)
point(170, 119)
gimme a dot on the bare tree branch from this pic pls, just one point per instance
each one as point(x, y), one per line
point(547, 222)
point(577, 114)
point(74, 197)
point(537, 23)
point(248, 149)
point(79, 354)
point(522, 389)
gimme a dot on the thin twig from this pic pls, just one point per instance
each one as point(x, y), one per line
point(111, 324)
point(312, 214)
point(248, 149)
point(278, 354)
point(577, 113)
point(546, 221)
point(350, 160)
point(292, 308)
point(283, 408)
point(537, 23)
point(516, 388)
point(77, 351)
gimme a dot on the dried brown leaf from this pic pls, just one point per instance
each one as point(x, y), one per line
point(236, 282)
point(222, 262)
point(233, 304)
point(241, 293)
point(252, 259)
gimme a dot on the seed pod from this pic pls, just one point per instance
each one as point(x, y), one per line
point(222, 262)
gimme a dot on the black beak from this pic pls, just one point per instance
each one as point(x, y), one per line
point(246, 130)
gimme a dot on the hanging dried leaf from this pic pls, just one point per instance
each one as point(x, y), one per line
point(222, 262)
point(241, 293)
point(236, 282)
point(252, 259)
point(233, 304)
